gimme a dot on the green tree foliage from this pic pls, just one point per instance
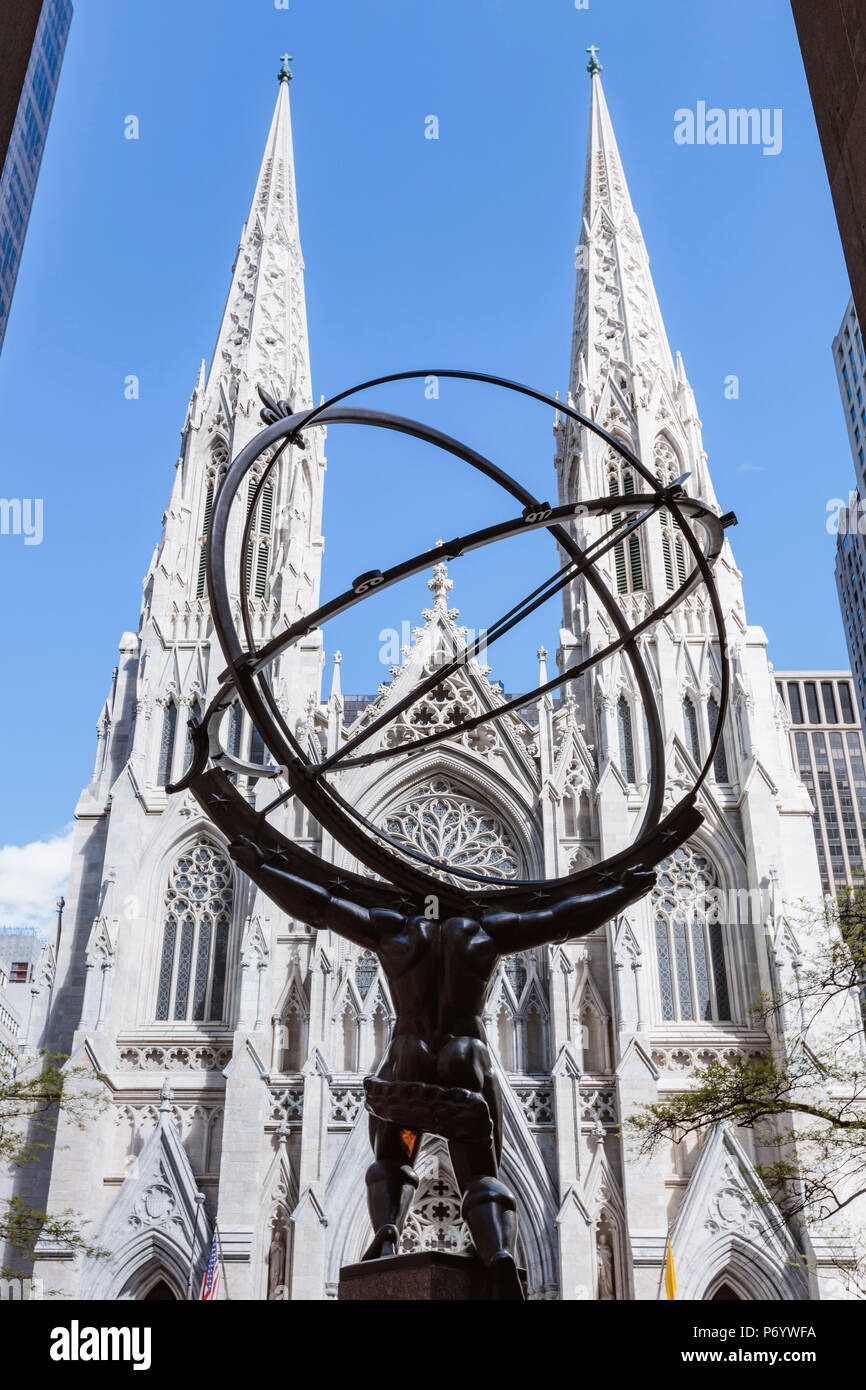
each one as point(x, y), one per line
point(31, 1104)
point(805, 1095)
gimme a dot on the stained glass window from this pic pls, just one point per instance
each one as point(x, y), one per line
point(515, 970)
point(626, 739)
point(720, 761)
point(690, 949)
point(199, 899)
point(365, 973)
point(690, 720)
point(451, 827)
point(166, 747)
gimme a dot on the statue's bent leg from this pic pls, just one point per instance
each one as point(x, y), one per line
point(391, 1185)
point(490, 1212)
point(489, 1209)
point(391, 1179)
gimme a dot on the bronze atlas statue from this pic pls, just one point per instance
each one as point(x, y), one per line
point(438, 928)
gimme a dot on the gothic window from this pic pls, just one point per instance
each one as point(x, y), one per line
point(236, 729)
point(198, 906)
point(515, 971)
point(600, 730)
point(673, 551)
point(291, 1037)
point(690, 950)
point(381, 1034)
point(194, 716)
point(453, 828)
point(627, 556)
point(720, 761)
point(201, 582)
point(535, 1057)
point(258, 548)
point(690, 721)
point(365, 973)
point(166, 746)
point(505, 1038)
point(349, 1039)
point(626, 739)
point(257, 749)
point(673, 544)
point(593, 1039)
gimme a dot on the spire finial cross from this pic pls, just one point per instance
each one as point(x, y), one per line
point(285, 71)
point(440, 586)
point(593, 66)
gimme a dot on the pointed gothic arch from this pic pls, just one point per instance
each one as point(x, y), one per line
point(475, 784)
point(592, 1026)
point(625, 734)
point(155, 1275)
point(196, 928)
point(290, 1028)
point(166, 743)
point(690, 725)
point(693, 973)
point(629, 565)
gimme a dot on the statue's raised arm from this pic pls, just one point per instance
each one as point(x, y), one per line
point(317, 906)
point(570, 919)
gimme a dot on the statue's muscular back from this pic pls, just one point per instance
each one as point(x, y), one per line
point(438, 972)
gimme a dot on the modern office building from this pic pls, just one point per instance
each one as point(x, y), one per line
point(26, 143)
point(830, 756)
point(832, 36)
point(849, 361)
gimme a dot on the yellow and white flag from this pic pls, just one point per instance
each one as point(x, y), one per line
point(670, 1273)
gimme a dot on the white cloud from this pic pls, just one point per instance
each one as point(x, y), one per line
point(32, 877)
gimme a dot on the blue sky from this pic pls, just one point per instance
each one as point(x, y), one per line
point(450, 252)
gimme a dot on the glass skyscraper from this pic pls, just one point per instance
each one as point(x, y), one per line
point(24, 156)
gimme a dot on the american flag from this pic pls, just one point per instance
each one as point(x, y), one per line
point(211, 1280)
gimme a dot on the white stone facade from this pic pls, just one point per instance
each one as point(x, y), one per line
point(235, 1040)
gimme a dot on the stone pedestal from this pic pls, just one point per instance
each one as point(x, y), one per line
point(425, 1277)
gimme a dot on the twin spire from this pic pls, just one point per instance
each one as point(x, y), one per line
point(263, 336)
point(617, 316)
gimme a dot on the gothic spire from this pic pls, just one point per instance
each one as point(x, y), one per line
point(617, 317)
point(263, 335)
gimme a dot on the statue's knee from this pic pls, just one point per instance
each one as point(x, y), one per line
point(487, 1192)
point(390, 1172)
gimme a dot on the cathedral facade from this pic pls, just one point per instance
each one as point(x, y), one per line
point(233, 1040)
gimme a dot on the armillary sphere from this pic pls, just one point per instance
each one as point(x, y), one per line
point(250, 668)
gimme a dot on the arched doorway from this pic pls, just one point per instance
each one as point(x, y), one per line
point(725, 1294)
point(160, 1292)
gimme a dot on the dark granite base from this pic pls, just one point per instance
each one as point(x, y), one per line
point(425, 1277)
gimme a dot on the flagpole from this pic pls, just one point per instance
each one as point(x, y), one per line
point(222, 1261)
point(199, 1203)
